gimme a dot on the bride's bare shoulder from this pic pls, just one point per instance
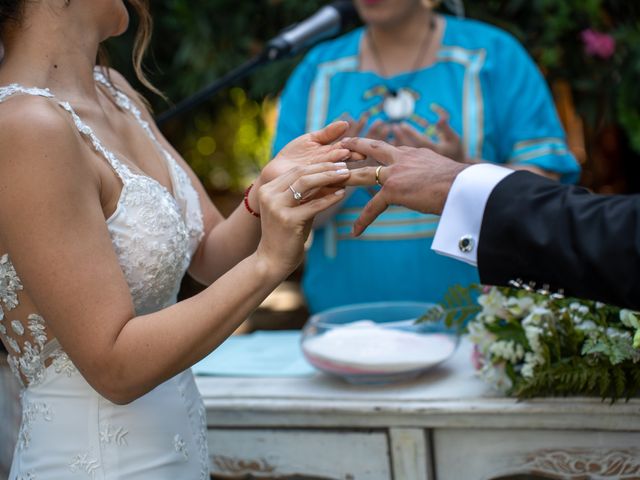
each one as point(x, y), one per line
point(29, 117)
point(37, 137)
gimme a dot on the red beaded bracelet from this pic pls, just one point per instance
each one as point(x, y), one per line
point(246, 202)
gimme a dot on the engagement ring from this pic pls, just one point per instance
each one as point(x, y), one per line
point(297, 196)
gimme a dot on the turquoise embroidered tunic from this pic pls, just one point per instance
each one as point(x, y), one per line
point(497, 101)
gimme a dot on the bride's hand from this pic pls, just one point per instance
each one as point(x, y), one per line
point(286, 221)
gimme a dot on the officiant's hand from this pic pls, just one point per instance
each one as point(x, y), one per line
point(449, 142)
point(378, 130)
point(416, 178)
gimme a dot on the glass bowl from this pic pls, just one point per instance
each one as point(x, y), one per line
point(377, 343)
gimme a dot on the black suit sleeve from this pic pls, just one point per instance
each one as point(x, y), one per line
point(540, 231)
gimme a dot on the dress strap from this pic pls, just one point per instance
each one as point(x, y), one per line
point(124, 102)
point(15, 89)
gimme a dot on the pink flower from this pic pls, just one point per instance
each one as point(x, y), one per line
point(476, 358)
point(598, 44)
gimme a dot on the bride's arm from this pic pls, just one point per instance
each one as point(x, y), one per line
point(53, 227)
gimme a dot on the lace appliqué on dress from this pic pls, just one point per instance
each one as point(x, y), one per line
point(83, 463)
point(10, 284)
point(28, 361)
point(116, 436)
point(203, 448)
point(17, 327)
point(62, 364)
point(30, 413)
point(27, 476)
point(180, 447)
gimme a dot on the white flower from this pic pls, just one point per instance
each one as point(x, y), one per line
point(613, 332)
point(537, 316)
point(496, 376)
point(578, 311)
point(586, 326)
point(533, 334)
point(507, 350)
point(519, 307)
point(492, 303)
point(480, 336)
point(531, 361)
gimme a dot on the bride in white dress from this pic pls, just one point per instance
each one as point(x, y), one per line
point(99, 220)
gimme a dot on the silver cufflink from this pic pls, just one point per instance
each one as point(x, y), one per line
point(466, 244)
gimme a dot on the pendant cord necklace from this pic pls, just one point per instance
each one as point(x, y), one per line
point(416, 64)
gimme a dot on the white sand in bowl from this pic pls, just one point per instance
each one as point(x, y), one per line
point(369, 347)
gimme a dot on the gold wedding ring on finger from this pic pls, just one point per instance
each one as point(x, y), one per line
point(378, 168)
point(297, 196)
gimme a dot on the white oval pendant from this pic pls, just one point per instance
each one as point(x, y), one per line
point(399, 106)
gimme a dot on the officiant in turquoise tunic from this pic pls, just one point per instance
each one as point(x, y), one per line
point(409, 76)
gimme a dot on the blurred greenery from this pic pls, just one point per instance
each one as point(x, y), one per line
point(605, 89)
point(227, 139)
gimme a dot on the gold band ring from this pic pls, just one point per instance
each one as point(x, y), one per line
point(378, 168)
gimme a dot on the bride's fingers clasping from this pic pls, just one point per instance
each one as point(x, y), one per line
point(308, 210)
point(302, 183)
point(283, 181)
point(305, 187)
point(330, 133)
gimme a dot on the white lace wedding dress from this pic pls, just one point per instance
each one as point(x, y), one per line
point(68, 430)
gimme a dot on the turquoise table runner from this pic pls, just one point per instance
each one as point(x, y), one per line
point(259, 354)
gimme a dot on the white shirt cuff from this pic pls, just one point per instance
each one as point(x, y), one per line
point(458, 232)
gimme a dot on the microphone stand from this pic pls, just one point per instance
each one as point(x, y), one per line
point(277, 48)
point(231, 77)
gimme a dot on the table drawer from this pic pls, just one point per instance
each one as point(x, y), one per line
point(496, 454)
point(335, 455)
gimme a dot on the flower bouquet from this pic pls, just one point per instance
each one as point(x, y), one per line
point(529, 344)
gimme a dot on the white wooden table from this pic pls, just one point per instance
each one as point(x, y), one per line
point(447, 425)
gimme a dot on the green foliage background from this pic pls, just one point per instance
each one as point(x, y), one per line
point(227, 139)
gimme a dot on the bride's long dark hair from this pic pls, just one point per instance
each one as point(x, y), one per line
point(11, 12)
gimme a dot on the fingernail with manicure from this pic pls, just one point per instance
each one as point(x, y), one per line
point(339, 192)
point(342, 171)
point(340, 164)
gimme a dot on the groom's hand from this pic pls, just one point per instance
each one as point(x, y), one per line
point(416, 178)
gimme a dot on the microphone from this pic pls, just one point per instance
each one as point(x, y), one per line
point(325, 23)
